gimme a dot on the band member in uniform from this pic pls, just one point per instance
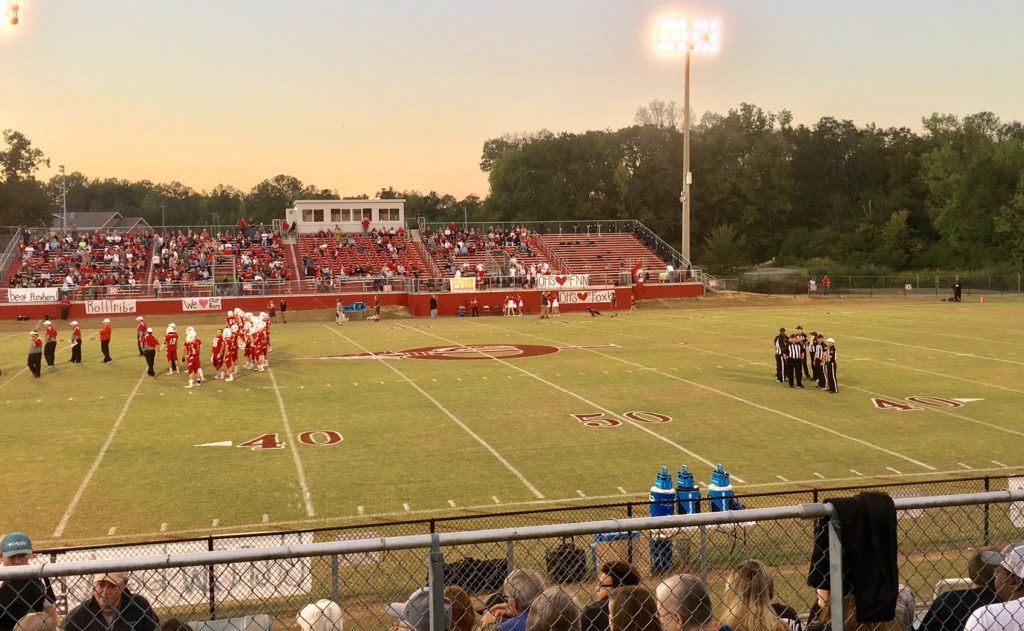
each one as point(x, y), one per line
point(50, 347)
point(149, 346)
point(76, 343)
point(794, 361)
point(830, 366)
point(781, 352)
point(171, 348)
point(193, 362)
point(140, 333)
point(105, 341)
point(217, 346)
point(35, 354)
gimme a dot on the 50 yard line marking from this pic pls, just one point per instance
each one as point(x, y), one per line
point(291, 445)
point(572, 394)
point(59, 530)
point(437, 404)
point(736, 398)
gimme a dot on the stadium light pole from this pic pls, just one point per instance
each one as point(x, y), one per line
point(64, 200)
point(687, 37)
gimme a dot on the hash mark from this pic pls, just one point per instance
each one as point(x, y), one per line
point(360, 510)
point(621, 490)
point(216, 522)
point(163, 527)
point(965, 466)
point(405, 506)
point(894, 471)
point(266, 518)
point(496, 500)
point(451, 503)
point(580, 493)
point(113, 529)
point(819, 475)
point(782, 478)
point(855, 472)
point(996, 462)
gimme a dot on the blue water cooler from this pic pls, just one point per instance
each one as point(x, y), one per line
point(687, 493)
point(663, 502)
point(720, 490)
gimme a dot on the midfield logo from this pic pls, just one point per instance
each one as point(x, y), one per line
point(468, 351)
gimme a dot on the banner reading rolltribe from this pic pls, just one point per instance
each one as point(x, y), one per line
point(585, 297)
point(33, 294)
point(570, 281)
point(466, 283)
point(201, 304)
point(95, 307)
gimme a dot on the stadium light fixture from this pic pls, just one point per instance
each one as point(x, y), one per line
point(10, 14)
point(687, 36)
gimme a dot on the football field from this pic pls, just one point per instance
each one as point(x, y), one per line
point(410, 418)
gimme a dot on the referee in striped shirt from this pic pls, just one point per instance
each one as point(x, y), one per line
point(795, 361)
point(781, 344)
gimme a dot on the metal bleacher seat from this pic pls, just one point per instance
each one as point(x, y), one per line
point(951, 584)
point(259, 622)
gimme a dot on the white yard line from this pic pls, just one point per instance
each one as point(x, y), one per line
point(291, 445)
point(455, 419)
point(996, 462)
point(965, 466)
point(59, 530)
point(574, 395)
point(298, 523)
point(748, 402)
point(894, 471)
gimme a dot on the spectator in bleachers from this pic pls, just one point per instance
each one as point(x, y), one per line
point(521, 588)
point(112, 607)
point(323, 615)
point(611, 575)
point(950, 610)
point(414, 613)
point(633, 608)
point(747, 604)
point(684, 604)
point(464, 616)
point(553, 610)
point(22, 597)
point(824, 621)
point(1008, 613)
point(36, 621)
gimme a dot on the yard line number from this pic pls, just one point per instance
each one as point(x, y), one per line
point(915, 403)
point(315, 438)
point(600, 419)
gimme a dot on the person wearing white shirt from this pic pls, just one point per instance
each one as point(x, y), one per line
point(1009, 612)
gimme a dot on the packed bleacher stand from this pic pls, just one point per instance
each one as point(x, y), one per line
point(331, 258)
point(184, 261)
point(512, 253)
point(96, 263)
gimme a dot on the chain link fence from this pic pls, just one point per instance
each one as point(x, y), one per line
point(753, 563)
point(908, 284)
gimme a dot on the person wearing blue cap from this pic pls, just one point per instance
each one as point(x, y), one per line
point(21, 597)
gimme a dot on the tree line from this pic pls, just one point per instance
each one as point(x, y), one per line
point(829, 196)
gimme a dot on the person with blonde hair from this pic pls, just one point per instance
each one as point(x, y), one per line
point(747, 604)
point(323, 615)
point(463, 615)
point(553, 610)
point(633, 608)
point(37, 621)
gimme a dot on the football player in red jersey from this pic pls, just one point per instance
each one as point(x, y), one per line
point(140, 332)
point(193, 362)
point(171, 347)
point(218, 353)
point(230, 352)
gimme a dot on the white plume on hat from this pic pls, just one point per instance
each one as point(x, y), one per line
point(106, 320)
point(138, 319)
point(47, 323)
point(74, 323)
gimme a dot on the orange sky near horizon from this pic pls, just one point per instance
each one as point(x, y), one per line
point(354, 97)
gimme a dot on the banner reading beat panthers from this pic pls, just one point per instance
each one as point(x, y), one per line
point(585, 297)
point(570, 281)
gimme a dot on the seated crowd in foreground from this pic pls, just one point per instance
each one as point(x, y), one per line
point(72, 260)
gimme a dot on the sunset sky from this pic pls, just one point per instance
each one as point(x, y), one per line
point(359, 95)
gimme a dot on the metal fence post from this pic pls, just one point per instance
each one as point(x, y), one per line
point(436, 584)
point(212, 575)
point(987, 532)
point(335, 584)
point(629, 536)
point(835, 573)
point(704, 561)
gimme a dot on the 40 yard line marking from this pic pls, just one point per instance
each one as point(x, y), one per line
point(572, 394)
point(59, 530)
point(291, 444)
point(437, 404)
point(740, 399)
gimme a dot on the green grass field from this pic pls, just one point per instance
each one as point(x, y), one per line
point(100, 453)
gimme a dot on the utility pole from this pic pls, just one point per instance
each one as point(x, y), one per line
point(64, 200)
